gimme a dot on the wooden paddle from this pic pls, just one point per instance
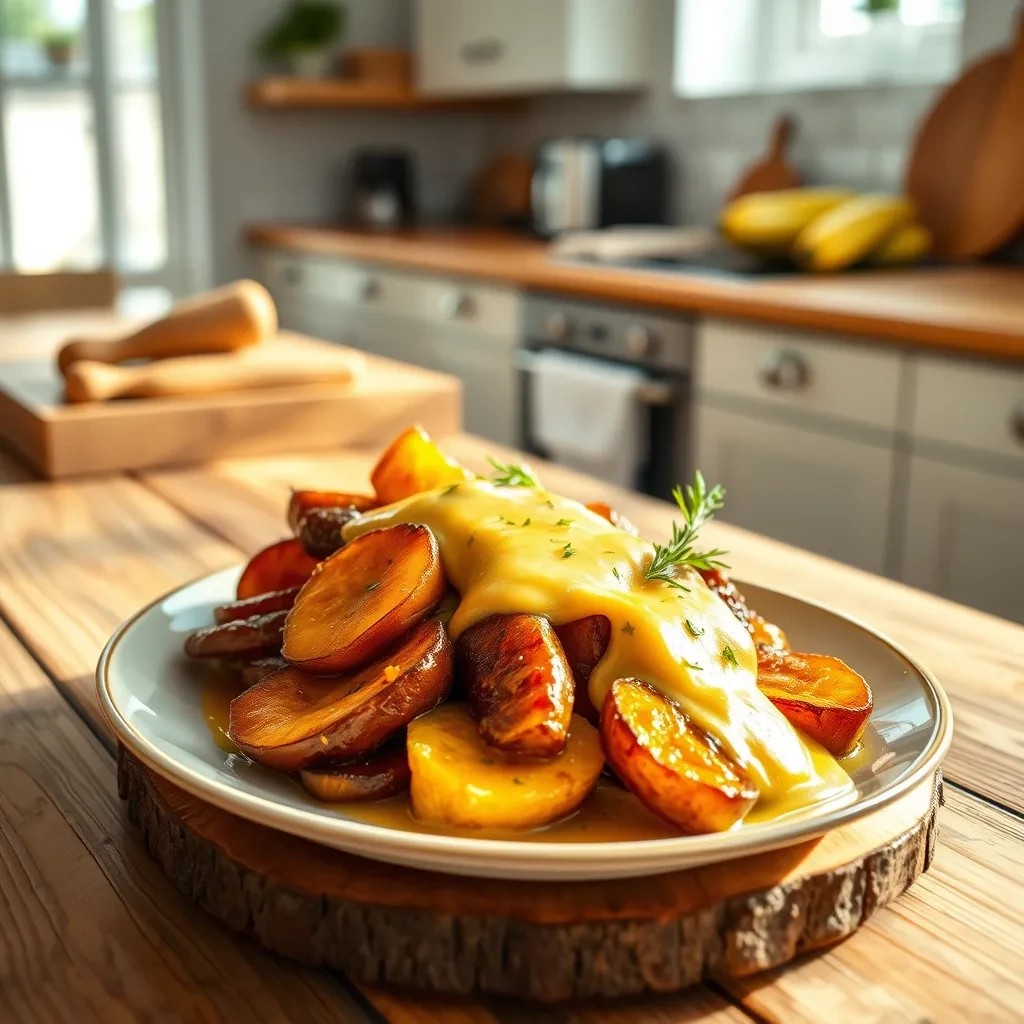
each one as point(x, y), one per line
point(223, 320)
point(966, 171)
point(265, 366)
point(772, 172)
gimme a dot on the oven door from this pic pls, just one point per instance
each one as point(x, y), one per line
point(666, 402)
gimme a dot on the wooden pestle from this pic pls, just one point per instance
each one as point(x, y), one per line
point(223, 320)
point(88, 381)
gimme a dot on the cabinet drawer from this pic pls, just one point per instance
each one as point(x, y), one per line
point(486, 309)
point(970, 405)
point(800, 371)
point(811, 489)
point(962, 536)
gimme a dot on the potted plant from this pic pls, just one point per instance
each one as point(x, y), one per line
point(59, 45)
point(304, 36)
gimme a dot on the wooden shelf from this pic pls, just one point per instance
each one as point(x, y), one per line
point(281, 93)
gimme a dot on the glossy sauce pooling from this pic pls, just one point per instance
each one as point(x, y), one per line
point(521, 549)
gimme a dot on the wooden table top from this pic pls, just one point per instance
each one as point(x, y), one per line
point(91, 930)
point(972, 310)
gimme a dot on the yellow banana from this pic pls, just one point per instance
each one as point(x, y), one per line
point(907, 244)
point(769, 222)
point(847, 233)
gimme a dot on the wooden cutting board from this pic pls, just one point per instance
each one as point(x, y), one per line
point(773, 171)
point(62, 440)
point(547, 941)
point(966, 170)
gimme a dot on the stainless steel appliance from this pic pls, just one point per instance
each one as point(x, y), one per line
point(586, 183)
point(661, 345)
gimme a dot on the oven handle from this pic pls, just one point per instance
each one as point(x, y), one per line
point(651, 392)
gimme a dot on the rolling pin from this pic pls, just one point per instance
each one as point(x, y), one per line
point(223, 320)
point(89, 381)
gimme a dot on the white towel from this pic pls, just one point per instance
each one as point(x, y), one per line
point(585, 415)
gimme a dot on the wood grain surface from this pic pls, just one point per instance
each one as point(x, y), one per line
point(75, 559)
point(972, 310)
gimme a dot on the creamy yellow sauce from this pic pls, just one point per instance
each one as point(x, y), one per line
point(522, 549)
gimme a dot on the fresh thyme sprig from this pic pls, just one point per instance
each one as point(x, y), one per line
point(511, 475)
point(697, 505)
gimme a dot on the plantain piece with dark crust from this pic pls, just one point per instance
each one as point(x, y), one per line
point(294, 719)
point(243, 638)
point(258, 670)
point(261, 604)
point(584, 642)
point(384, 773)
point(319, 530)
point(518, 682)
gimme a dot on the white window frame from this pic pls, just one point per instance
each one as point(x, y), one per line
point(770, 46)
point(187, 266)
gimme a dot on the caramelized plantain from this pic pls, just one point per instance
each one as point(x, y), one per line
point(819, 695)
point(671, 766)
point(240, 638)
point(261, 604)
point(319, 530)
point(584, 643)
point(361, 600)
point(382, 774)
point(411, 464)
point(613, 515)
point(293, 719)
point(278, 567)
point(302, 502)
point(518, 682)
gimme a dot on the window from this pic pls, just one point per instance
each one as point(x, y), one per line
point(85, 178)
point(767, 45)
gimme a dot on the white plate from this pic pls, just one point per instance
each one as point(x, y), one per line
point(151, 696)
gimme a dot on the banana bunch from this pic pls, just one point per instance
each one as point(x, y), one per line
point(827, 229)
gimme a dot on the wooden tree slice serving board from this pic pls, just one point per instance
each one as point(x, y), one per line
point(547, 941)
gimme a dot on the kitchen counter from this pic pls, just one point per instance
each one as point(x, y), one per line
point(971, 310)
point(98, 933)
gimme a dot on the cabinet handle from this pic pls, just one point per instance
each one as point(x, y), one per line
point(1017, 422)
point(369, 289)
point(785, 371)
point(482, 51)
point(456, 305)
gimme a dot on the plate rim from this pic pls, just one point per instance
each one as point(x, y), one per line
point(309, 824)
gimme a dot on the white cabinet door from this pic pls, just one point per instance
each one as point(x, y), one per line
point(490, 384)
point(809, 488)
point(964, 536)
point(490, 46)
point(504, 47)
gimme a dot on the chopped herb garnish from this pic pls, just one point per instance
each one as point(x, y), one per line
point(693, 630)
point(518, 781)
point(727, 653)
point(628, 628)
point(450, 489)
point(697, 505)
point(526, 521)
point(549, 503)
point(690, 665)
point(568, 551)
point(372, 586)
point(564, 522)
point(511, 475)
point(615, 573)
